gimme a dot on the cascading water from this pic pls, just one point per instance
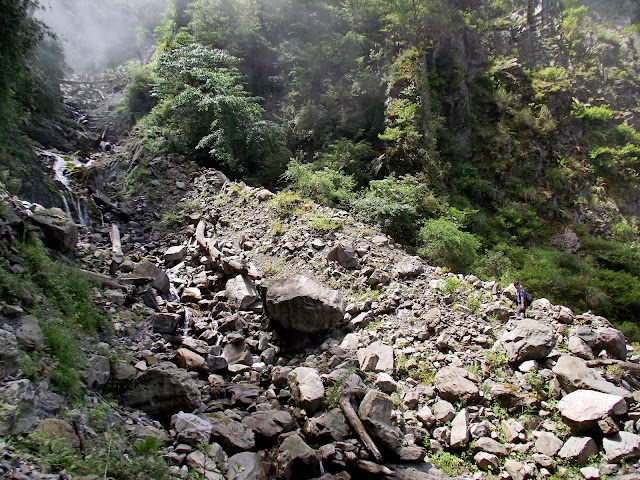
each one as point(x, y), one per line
point(59, 165)
point(187, 319)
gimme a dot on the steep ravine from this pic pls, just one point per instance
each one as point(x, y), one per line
point(227, 335)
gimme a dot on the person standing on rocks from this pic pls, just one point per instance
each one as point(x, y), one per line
point(521, 299)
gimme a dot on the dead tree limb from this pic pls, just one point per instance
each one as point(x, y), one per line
point(632, 368)
point(356, 424)
point(204, 243)
point(103, 279)
point(114, 235)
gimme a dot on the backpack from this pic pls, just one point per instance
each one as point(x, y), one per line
point(528, 298)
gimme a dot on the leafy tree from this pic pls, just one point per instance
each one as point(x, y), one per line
point(322, 182)
point(444, 244)
point(396, 206)
point(411, 126)
point(21, 32)
point(203, 105)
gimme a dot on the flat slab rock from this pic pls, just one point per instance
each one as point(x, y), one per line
point(299, 303)
point(582, 409)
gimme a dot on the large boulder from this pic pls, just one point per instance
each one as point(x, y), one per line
point(241, 292)
point(300, 304)
point(574, 374)
point(345, 255)
point(296, 459)
point(377, 357)
point(375, 413)
point(306, 388)
point(9, 362)
point(28, 332)
point(529, 340)
point(60, 231)
point(582, 409)
point(621, 445)
point(456, 384)
point(613, 341)
point(246, 466)
point(409, 267)
point(191, 429)
point(17, 408)
point(158, 278)
point(162, 391)
point(268, 424)
point(232, 435)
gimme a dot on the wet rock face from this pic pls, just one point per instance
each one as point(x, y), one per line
point(302, 305)
point(59, 229)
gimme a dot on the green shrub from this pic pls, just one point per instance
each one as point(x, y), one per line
point(396, 205)
point(444, 244)
point(138, 99)
point(322, 182)
point(597, 114)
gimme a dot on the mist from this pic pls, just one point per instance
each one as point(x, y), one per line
point(103, 34)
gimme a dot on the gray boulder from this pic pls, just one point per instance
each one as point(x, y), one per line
point(456, 384)
point(17, 414)
point(530, 340)
point(331, 426)
point(28, 332)
point(377, 357)
point(296, 459)
point(375, 413)
point(60, 231)
point(409, 267)
point(191, 429)
point(166, 322)
point(97, 372)
point(613, 341)
point(460, 429)
point(162, 391)
point(548, 444)
point(302, 305)
point(574, 374)
point(232, 435)
point(9, 361)
point(621, 445)
point(158, 278)
point(241, 292)
point(245, 466)
point(345, 255)
point(306, 388)
point(268, 424)
point(577, 450)
point(175, 254)
point(582, 409)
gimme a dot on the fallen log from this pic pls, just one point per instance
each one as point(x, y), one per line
point(103, 279)
point(114, 235)
point(356, 424)
point(204, 243)
point(632, 368)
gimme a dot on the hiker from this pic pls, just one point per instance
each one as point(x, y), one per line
point(521, 299)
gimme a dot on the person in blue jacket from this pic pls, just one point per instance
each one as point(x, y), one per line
point(521, 299)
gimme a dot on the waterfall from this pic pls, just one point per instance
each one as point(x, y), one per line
point(59, 164)
point(187, 319)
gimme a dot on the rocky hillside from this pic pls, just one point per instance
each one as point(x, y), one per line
point(252, 336)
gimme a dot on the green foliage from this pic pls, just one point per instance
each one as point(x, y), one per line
point(138, 99)
point(108, 452)
point(202, 104)
point(322, 182)
point(396, 205)
point(67, 311)
point(450, 464)
point(444, 244)
point(591, 114)
point(411, 126)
